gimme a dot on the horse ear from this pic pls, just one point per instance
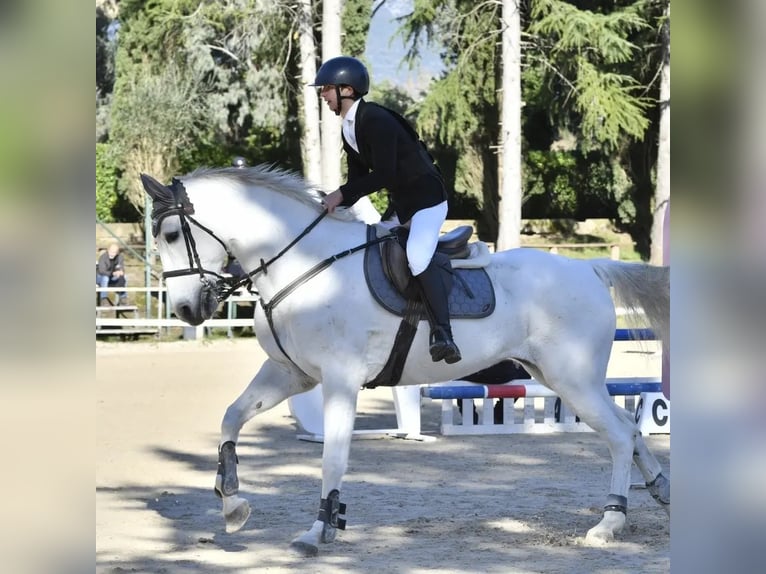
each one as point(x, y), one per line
point(155, 189)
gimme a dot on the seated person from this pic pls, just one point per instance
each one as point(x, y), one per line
point(110, 272)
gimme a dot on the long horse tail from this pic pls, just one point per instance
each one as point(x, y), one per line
point(639, 288)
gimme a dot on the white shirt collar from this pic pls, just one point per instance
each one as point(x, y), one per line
point(349, 129)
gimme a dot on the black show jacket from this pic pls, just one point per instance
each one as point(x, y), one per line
point(390, 156)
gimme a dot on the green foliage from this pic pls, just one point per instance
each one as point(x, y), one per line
point(456, 107)
point(583, 53)
point(446, 115)
point(356, 24)
point(604, 36)
point(379, 200)
point(469, 177)
point(573, 184)
point(588, 81)
point(104, 74)
point(387, 94)
point(198, 83)
point(153, 117)
point(106, 184)
point(608, 106)
point(460, 113)
point(552, 177)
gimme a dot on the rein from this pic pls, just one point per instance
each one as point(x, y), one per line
point(264, 266)
point(268, 308)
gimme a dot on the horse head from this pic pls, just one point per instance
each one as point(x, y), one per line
point(192, 256)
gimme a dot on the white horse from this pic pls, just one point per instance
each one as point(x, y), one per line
point(318, 322)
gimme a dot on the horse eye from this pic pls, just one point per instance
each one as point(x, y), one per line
point(171, 236)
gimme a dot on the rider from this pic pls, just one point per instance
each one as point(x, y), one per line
point(384, 151)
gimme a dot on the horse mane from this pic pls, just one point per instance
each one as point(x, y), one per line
point(277, 179)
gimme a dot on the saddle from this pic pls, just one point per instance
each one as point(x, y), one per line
point(452, 245)
point(391, 283)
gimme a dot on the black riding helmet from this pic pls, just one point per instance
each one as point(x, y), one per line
point(344, 71)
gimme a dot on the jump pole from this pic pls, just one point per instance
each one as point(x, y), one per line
point(522, 388)
point(538, 409)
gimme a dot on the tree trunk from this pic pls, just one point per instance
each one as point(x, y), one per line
point(509, 207)
point(310, 141)
point(662, 190)
point(331, 140)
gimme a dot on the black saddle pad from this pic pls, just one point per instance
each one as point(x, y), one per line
point(472, 295)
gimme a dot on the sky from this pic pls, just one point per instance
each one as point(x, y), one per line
point(385, 53)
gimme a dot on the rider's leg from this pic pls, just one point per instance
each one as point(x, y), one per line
point(421, 245)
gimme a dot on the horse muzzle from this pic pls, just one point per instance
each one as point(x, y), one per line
point(205, 307)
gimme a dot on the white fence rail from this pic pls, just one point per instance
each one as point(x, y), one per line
point(155, 315)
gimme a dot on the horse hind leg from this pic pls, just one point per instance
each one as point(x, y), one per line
point(620, 435)
point(595, 407)
point(657, 483)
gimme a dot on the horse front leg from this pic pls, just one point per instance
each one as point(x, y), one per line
point(339, 396)
point(236, 510)
point(269, 387)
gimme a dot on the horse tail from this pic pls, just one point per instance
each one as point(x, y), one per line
point(639, 288)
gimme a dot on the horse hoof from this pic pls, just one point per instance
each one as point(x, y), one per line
point(303, 548)
point(237, 517)
point(603, 533)
point(598, 537)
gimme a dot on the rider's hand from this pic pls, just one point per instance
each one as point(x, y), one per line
point(332, 200)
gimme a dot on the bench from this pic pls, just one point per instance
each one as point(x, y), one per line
point(123, 332)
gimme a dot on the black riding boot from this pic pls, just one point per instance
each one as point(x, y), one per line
point(437, 306)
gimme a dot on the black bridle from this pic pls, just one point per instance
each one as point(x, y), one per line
point(183, 208)
point(225, 286)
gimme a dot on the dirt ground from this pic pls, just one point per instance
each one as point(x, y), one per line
point(478, 504)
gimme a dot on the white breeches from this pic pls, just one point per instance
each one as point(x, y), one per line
point(425, 227)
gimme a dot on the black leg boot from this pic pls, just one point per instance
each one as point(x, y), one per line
point(434, 293)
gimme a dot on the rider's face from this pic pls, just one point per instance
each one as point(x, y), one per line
point(330, 95)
